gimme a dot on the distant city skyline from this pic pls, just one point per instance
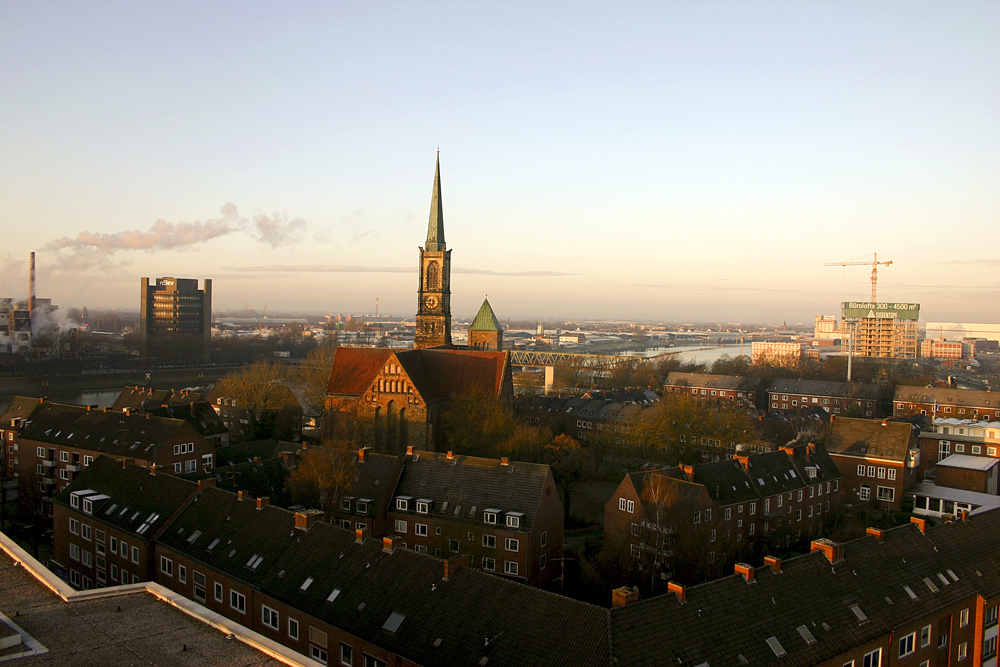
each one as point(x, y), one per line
point(645, 161)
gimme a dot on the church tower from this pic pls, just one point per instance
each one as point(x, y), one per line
point(434, 290)
point(485, 332)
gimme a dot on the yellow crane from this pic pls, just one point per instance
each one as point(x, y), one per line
point(874, 263)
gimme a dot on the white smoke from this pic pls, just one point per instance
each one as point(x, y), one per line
point(273, 230)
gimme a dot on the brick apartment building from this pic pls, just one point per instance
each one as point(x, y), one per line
point(705, 517)
point(937, 402)
point(282, 412)
point(103, 535)
point(394, 400)
point(978, 474)
point(785, 353)
point(705, 386)
point(833, 397)
point(940, 348)
point(339, 597)
point(12, 420)
point(946, 436)
point(504, 515)
point(878, 459)
point(190, 406)
point(367, 497)
point(59, 441)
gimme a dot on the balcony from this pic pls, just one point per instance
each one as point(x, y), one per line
point(50, 463)
point(74, 467)
point(50, 481)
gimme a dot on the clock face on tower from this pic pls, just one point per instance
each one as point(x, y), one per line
point(431, 302)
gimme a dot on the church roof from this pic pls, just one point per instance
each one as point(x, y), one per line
point(354, 368)
point(435, 225)
point(486, 319)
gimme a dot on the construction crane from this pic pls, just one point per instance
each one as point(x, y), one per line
point(874, 263)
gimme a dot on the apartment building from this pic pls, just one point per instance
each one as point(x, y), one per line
point(506, 516)
point(705, 386)
point(937, 402)
point(878, 459)
point(946, 436)
point(833, 397)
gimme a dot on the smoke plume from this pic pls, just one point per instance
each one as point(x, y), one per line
point(273, 230)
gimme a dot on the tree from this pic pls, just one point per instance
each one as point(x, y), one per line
point(312, 377)
point(260, 393)
point(321, 477)
point(568, 462)
point(476, 423)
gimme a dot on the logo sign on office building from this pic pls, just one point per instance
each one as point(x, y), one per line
point(880, 310)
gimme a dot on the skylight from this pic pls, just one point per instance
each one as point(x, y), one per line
point(306, 584)
point(931, 585)
point(860, 615)
point(193, 536)
point(214, 544)
point(951, 573)
point(909, 591)
point(944, 579)
point(394, 621)
point(333, 595)
point(779, 650)
point(806, 635)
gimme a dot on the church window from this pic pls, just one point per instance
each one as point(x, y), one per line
point(432, 275)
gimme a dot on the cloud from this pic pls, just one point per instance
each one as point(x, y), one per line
point(347, 268)
point(973, 262)
point(713, 288)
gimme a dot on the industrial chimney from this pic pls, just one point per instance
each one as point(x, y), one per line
point(31, 286)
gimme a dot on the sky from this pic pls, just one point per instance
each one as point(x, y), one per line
point(662, 161)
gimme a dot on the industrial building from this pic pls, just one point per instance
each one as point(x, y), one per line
point(175, 319)
point(21, 320)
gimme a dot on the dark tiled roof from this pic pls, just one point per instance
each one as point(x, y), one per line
point(200, 415)
point(826, 388)
point(470, 616)
point(100, 431)
point(354, 368)
point(710, 381)
point(262, 479)
point(246, 452)
point(441, 373)
point(968, 397)
point(133, 494)
point(869, 437)
point(728, 618)
point(680, 492)
point(147, 397)
point(21, 407)
point(726, 481)
point(468, 485)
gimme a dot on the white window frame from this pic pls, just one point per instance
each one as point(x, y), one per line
point(510, 567)
point(237, 601)
point(420, 529)
point(511, 542)
point(400, 526)
point(270, 617)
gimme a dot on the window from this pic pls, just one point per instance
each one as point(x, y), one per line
point(74, 527)
point(886, 493)
point(510, 544)
point(178, 468)
point(513, 520)
point(86, 558)
point(881, 472)
point(626, 505)
point(489, 564)
point(799, 496)
point(453, 546)
point(85, 532)
point(490, 517)
point(402, 504)
point(753, 508)
point(963, 618)
point(114, 546)
point(318, 654)
point(218, 592)
point(865, 492)
point(872, 659)
point(182, 574)
point(542, 562)
point(490, 541)
point(544, 538)
point(238, 601)
point(892, 473)
point(135, 555)
point(963, 650)
point(124, 549)
point(400, 526)
point(711, 535)
point(989, 648)
point(729, 513)
point(510, 567)
point(419, 529)
point(74, 552)
point(166, 566)
point(976, 449)
point(925, 636)
point(293, 628)
point(697, 516)
point(371, 661)
point(269, 617)
point(346, 654)
point(990, 617)
point(423, 507)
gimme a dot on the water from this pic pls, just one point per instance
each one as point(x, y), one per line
point(705, 356)
point(102, 398)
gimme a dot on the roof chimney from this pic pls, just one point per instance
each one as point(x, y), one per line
point(745, 570)
point(877, 533)
point(451, 565)
point(921, 523)
point(152, 468)
point(359, 535)
point(306, 518)
point(263, 502)
point(504, 461)
point(387, 543)
point(885, 422)
point(409, 450)
point(361, 454)
point(623, 595)
point(205, 483)
point(773, 562)
point(450, 456)
point(242, 495)
point(744, 461)
point(192, 409)
point(963, 515)
point(681, 591)
point(834, 551)
point(688, 472)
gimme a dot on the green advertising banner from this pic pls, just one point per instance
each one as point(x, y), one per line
point(881, 310)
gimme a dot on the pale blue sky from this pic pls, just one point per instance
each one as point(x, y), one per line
point(674, 161)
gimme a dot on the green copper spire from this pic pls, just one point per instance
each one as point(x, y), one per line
point(486, 319)
point(435, 226)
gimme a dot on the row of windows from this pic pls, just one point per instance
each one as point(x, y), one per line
point(117, 546)
point(877, 471)
point(944, 449)
point(883, 493)
point(64, 456)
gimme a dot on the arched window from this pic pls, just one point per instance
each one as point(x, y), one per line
point(432, 275)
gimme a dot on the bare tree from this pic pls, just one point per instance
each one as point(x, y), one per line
point(321, 478)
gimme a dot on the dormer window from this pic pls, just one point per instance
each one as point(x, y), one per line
point(362, 505)
point(424, 505)
point(88, 502)
point(490, 516)
point(514, 519)
point(403, 503)
point(345, 503)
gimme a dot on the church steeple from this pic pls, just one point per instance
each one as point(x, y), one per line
point(435, 225)
point(434, 290)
